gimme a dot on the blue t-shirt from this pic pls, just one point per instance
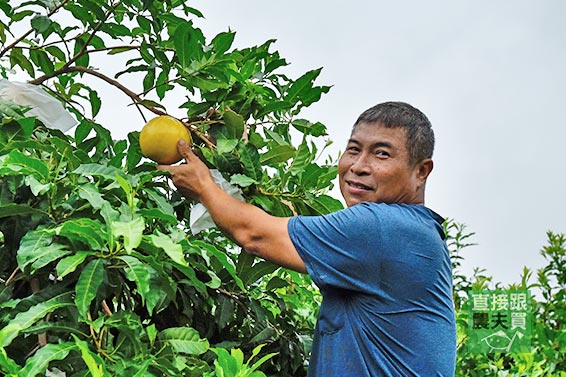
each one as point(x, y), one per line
point(385, 275)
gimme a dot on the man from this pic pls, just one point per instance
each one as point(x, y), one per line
point(381, 264)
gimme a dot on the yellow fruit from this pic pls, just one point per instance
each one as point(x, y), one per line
point(159, 137)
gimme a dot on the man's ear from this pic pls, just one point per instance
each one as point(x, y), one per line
point(423, 169)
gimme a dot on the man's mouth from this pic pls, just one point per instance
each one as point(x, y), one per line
point(358, 185)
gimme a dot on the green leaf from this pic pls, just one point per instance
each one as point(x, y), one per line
point(37, 188)
point(38, 244)
point(263, 335)
point(277, 154)
point(276, 137)
point(19, 210)
point(162, 203)
point(185, 340)
point(222, 42)
point(302, 85)
point(56, 52)
point(251, 161)
point(206, 84)
point(11, 109)
point(24, 320)
point(140, 273)
point(224, 311)
point(69, 264)
point(234, 123)
point(186, 43)
point(173, 249)
point(38, 363)
point(27, 165)
point(101, 170)
point(225, 363)
point(228, 163)
point(131, 231)
point(18, 58)
point(159, 215)
point(242, 180)
point(324, 204)
point(40, 23)
point(87, 231)
point(8, 365)
point(260, 362)
point(95, 102)
point(221, 257)
point(275, 283)
point(42, 59)
point(250, 269)
point(275, 106)
point(309, 128)
point(301, 159)
point(94, 362)
point(226, 145)
point(87, 286)
point(190, 273)
point(90, 193)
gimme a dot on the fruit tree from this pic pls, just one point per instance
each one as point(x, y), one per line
point(100, 271)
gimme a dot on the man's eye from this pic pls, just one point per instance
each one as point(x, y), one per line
point(382, 153)
point(353, 149)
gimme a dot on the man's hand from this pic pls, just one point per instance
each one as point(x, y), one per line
point(192, 178)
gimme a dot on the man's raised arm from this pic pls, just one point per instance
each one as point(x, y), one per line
point(256, 231)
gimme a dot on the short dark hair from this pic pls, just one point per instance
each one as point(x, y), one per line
point(420, 137)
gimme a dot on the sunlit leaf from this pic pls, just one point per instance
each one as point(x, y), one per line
point(99, 170)
point(171, 248)
point(93, 361)
point(130, 231)
point(184, 340)
point(69, 264)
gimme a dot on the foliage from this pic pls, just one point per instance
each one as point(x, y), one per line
point(548, 343)
point(100, 272)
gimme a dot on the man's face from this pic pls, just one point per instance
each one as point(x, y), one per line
point(375, 168)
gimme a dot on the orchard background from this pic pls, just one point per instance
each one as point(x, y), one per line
point(100, 273)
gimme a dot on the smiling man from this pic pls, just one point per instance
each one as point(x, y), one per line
point(382, 264)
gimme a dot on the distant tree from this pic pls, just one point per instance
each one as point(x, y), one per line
point(547, 356)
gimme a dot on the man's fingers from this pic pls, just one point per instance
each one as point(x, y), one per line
point(185, 150)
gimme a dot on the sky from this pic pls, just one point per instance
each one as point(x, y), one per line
point(489, 75)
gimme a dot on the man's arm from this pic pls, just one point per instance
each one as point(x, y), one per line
point(256, 231)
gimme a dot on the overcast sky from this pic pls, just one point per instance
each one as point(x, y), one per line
point(489, 75)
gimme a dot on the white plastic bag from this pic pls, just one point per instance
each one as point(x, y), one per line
point(199, 218)
point(46, 108)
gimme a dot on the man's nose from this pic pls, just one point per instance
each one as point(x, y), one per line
point(360, 165)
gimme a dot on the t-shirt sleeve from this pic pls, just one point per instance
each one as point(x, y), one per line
point(339, 249)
